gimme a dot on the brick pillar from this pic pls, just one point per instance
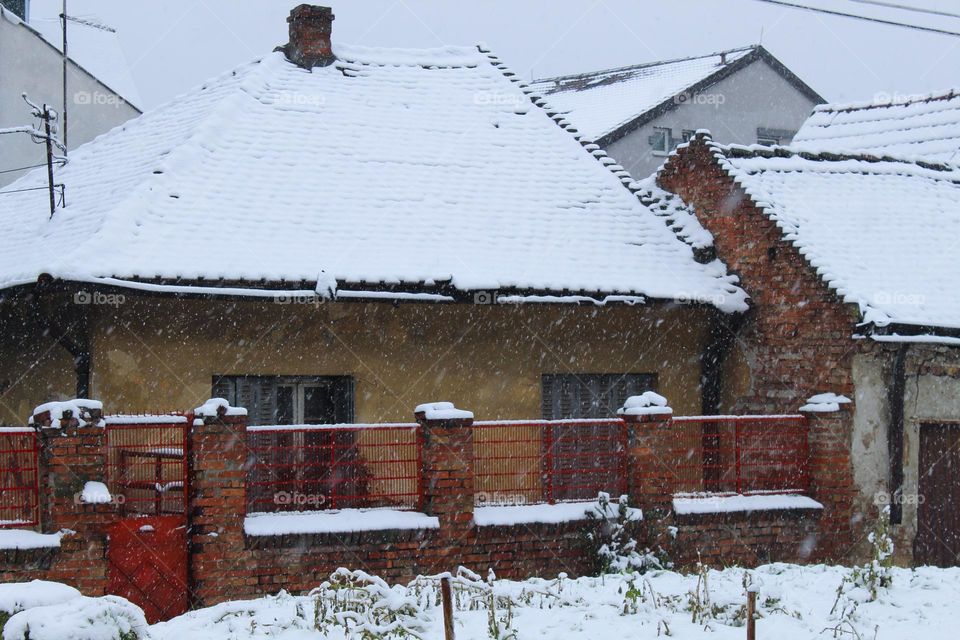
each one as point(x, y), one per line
point(831, 478)
point(218, 474)
point(447, 479)
point(72, 453)
point(652, 469)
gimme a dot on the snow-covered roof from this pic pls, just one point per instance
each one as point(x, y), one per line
point(925, 127)
point(881, 232)
point(386, 167)
point(601, 103)
point(96, 51)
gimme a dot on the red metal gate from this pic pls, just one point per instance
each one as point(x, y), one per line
point(148, 550)
point(148, 564)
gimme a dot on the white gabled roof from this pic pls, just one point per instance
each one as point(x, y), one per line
point(924, 127)
point(600, 102)
point(882, 233)
point(388, 166)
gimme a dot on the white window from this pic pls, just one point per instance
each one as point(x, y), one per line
point(662, 140)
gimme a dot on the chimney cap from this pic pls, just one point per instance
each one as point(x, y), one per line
point(310, 12)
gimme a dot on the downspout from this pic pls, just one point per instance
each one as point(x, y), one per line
point(898, 389)
point(723, 332)
point(78, 348)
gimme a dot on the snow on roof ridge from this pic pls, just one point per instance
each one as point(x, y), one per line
point(645, 65)
point(451, 55)
point(894, 100)
point(946, 170)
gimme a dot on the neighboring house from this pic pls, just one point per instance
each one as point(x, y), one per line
point(638, 114)
point(339, 238)
point(851, 265)
point(923, 127)
point(31, 63)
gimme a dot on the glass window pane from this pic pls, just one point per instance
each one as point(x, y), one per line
point(285, 404)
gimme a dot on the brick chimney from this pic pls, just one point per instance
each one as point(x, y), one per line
point(310, 28)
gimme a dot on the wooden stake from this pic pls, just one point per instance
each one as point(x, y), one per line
point(447, 608)
point(751, 610)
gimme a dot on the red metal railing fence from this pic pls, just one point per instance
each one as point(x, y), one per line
point(311, 467)
point(146, 462)
point(739, 454)
point(547, 461)
point(19, 477)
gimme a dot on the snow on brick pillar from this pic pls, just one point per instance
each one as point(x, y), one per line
point(650, 438)
point(310, 30)
point(218, 461)
point(73, 454)
point(447, 475)
point(829, 469)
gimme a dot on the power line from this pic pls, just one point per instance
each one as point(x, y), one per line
point(906, 7)
point(859, 17)
point(33, 166)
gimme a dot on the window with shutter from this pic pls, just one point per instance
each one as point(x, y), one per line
point(289, 400)
point(582, 455)
point(590, 395)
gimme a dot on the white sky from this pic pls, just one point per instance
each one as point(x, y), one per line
point(172, 45)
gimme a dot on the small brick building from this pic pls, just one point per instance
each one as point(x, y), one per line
point(850, 262)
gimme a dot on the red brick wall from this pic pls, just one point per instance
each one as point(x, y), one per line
point(225, 564)
point(796, 336)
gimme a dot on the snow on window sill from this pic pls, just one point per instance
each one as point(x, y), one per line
point(336, 521)
point(505, 516)
point(693, 504)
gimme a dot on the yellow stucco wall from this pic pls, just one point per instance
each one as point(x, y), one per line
point(159, 354)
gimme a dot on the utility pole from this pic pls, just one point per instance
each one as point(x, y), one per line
point(47, 117)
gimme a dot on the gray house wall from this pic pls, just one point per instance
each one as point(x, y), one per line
point(29, 64)
point(932, 395)
point(732, 109)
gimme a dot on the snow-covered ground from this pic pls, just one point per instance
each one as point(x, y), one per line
point(794, 602)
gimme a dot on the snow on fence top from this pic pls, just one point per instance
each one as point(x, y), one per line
point(80, 408)
point(442, 411)
point(824, 403)
point(924, 126)
point(437, 166)
point(213, 407)
point(647, 403)
point(880, 232)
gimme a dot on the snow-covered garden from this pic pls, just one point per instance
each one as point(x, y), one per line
point(793, 602)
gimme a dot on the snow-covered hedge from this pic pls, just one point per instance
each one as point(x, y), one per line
point(79, 618)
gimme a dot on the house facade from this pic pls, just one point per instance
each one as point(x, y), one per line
point(468, 246)
point(638, 114)
point(849, 265)
point(32, 65)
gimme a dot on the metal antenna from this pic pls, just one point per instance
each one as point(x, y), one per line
point(64, 19)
